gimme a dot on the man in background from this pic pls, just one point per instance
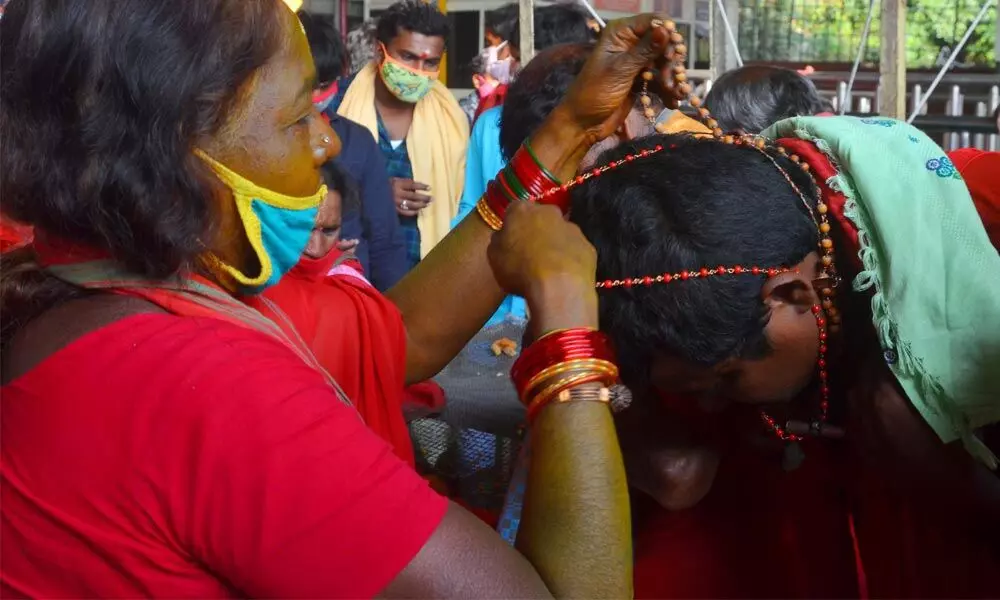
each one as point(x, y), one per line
point(381, 247)
point(420, 129)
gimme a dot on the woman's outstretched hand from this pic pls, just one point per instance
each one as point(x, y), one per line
point(548, 261)
point(601, 97)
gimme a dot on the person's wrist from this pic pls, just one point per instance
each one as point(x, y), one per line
point(560, 143)
point(561, 302)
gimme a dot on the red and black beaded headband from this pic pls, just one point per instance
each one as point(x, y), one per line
point(825, 283)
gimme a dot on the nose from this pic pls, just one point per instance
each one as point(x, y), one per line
point(326, 144)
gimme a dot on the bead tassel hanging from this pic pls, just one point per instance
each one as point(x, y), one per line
point(824, 390)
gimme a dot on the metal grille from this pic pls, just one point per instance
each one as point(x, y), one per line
point(829, 31)
point(472, 446)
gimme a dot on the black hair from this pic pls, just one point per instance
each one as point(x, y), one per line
point(538, 89)
point(501, 21)
point(554, 25)
point(327, 46)
point(337, 179)
point(100, 108)
point(415, 16)
point(753, 98)
point(700, 203)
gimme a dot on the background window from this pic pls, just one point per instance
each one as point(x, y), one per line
point(464, 45)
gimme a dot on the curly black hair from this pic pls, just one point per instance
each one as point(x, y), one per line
point(101, 105)
point(701, 203)
point(415, 16)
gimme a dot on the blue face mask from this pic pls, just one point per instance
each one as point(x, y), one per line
point(278, 227)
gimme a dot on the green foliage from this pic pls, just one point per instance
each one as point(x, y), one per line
point(830, 31)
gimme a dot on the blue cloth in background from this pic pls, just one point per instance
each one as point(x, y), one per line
point(483, 161)
point(397, 164)
point(375, 223)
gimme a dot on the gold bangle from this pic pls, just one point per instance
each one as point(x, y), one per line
point(545, 398)
point(560, 368)
point(492, 220)
point(606, 376)
point(584, 394)
point(555, 331)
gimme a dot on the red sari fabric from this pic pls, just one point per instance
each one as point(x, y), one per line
point(190, 457)
point(833, 528)
point(981, 172)
point(761, 532)
point(13, 234)
point(357, 335)
point(493, 100)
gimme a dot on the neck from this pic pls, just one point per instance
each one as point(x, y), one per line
point(387, 102)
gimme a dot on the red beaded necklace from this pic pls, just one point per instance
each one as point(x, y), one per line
point(827, 316)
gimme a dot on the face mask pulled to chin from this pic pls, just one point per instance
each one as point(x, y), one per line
point(278, 227)
point(316, 269)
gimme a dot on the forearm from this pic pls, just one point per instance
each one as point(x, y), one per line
point(448, 297)
point(576, 523)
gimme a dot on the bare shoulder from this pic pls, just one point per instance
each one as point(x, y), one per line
point(464, 558)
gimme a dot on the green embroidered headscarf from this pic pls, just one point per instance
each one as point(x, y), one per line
point(926, 255)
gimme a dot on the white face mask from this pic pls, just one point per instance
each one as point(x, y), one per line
point(497, 68)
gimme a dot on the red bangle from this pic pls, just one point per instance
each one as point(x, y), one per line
point(511, 187)
point(527, 166)
point(558, 347)
point(542, 185)
point(497, 198)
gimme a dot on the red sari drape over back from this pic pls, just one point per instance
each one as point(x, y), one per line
point(358, 337)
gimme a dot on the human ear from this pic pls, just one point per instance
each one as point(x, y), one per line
point(791, 289)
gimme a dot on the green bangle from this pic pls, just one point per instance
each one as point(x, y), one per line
point(538, 163)
point(499, 181)
point(514, 183)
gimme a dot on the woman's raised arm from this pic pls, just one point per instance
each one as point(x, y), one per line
point(446, 299)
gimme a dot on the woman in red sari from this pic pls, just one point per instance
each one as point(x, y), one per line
point(161, 438)
point(749, 489)
point(365, 354)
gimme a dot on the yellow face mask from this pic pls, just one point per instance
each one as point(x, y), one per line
point(278, 226)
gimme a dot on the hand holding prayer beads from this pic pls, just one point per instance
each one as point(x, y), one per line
point(595, 106)
point(600, 98)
